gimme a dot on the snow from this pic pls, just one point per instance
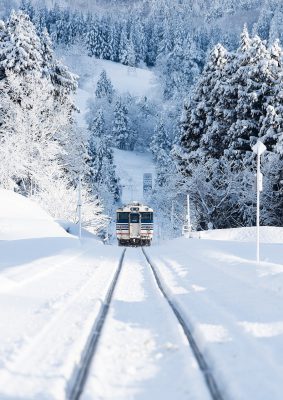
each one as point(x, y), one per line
point(143, 354)
point(130, 167)
point(268, 234)
point(20, 218)
point(233, 304)
point(138, 82)
point(52, 287)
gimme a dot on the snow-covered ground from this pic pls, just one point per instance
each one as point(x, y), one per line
point(233, 304)
point(143, 353)
point(52, 288)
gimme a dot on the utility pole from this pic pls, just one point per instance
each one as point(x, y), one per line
point(172, 216)
point(79, 206)
point(259, 148)
point(188, 214)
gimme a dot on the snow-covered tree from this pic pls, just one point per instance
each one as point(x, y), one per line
point(104, 87)
point(114, 42)
point(199, 111)
point(97, 125)
point(20, 47)
point(160, 141)
point(256, 82)
point(93, 39)
point(34, 126)
point(101, 174)
point(121, 132)
point(40, 156)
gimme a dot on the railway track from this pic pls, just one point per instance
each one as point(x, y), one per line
point(210, 381)
point(75, 389)
point(80, 376)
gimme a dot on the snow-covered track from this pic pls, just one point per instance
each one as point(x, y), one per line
point(75, 389)
point(202, 363)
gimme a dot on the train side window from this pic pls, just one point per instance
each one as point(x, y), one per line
point(135, 218)
point(147, 217)
point(123, 217)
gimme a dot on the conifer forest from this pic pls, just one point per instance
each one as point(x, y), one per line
point(218, 67)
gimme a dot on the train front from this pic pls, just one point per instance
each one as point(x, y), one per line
point(134, 226)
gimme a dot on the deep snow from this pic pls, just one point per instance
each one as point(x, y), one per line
point(233, 304)
point(143, 353)
point(52, 287)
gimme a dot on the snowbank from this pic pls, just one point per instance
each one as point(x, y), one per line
point(268, 234)
point(22, 218)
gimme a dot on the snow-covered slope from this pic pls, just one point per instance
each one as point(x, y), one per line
point(136, 81)
point(21, 218)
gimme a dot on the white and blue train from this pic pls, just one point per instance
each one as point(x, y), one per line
point(134, 225)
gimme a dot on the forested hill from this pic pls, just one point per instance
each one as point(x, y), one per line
point(217, 64)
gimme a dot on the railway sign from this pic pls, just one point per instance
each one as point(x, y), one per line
point(147, 183)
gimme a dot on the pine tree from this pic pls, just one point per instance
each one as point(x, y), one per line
point(104, 88)
point(97, 125)
point(121, 132)
point(160, 142)
point(35, 116)
point(199, 111)
point(46, 51)
point(138, 40)
point(160, 147)
point(101, 174)
point(122, 53)
point(256, 82)
point(104, 37)
point(114, 42)
point(20, 47)
point(93, 39)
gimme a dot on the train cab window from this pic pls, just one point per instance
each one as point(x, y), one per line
point(123, 217)
point(147, 217)
point(134, 218)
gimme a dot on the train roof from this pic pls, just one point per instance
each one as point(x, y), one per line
point(135, 206)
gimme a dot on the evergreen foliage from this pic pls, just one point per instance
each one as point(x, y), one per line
point(121, 130)
point(101, 175)
point(104, 88)
point(236, 101)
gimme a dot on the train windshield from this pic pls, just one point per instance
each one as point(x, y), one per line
point(135, 218)
point(147, 217)
point(123, 217)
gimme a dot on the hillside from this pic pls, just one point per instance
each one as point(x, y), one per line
point(135, 81)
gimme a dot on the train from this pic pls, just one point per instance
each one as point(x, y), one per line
point(134, 225)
